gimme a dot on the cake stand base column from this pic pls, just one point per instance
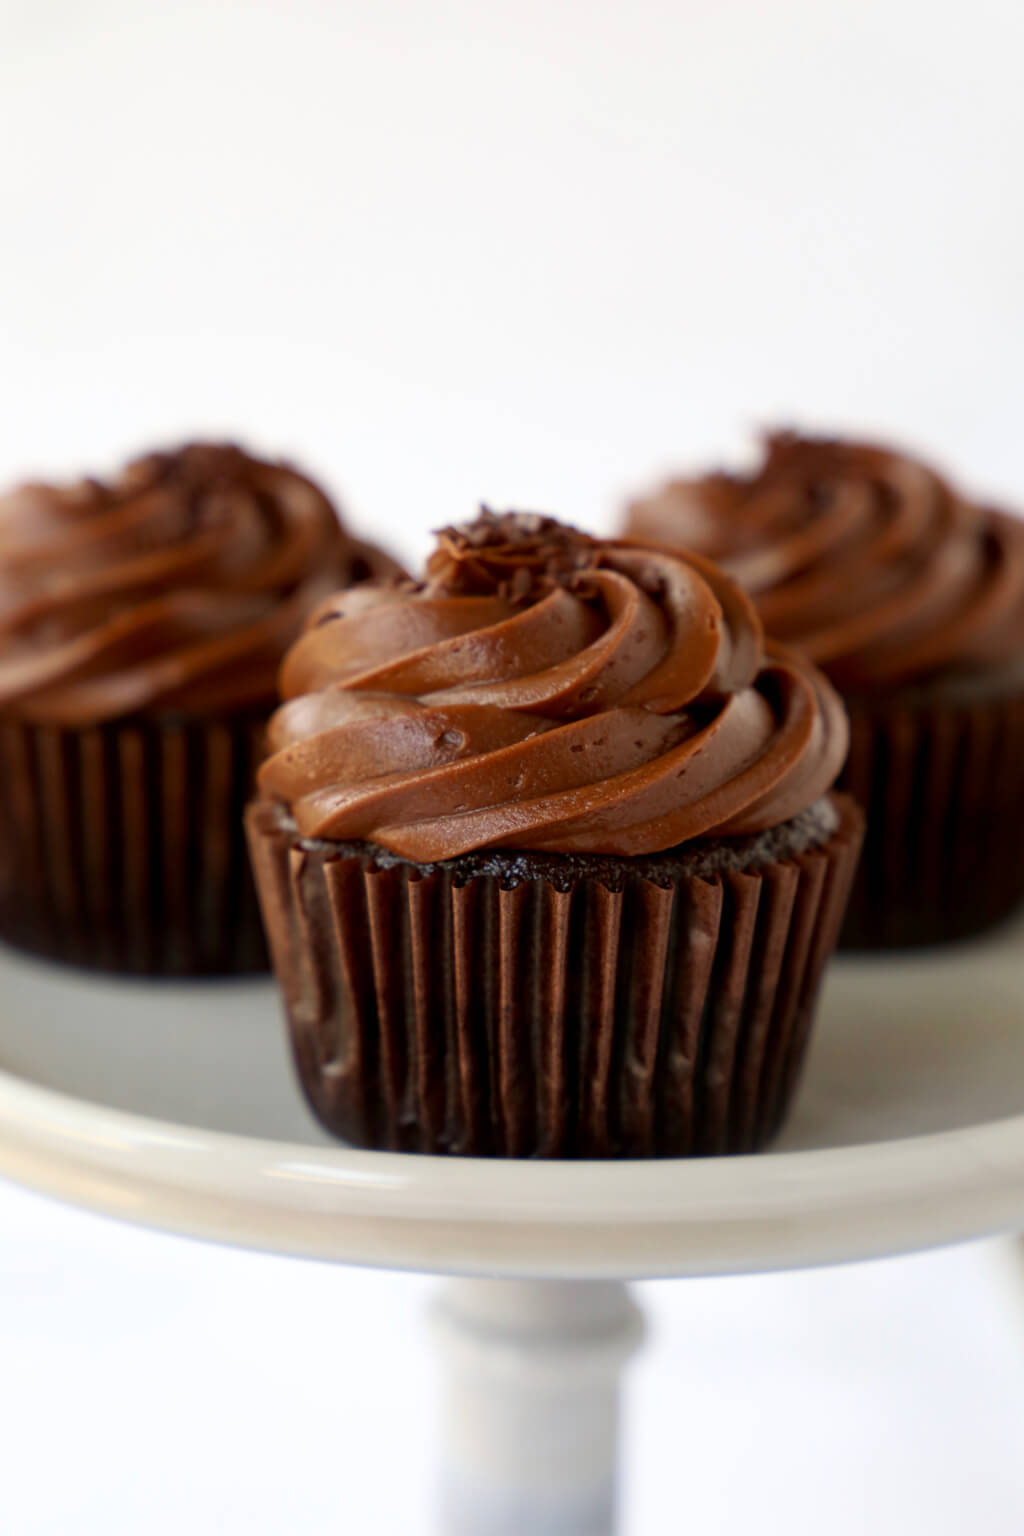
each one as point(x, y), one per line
point(531, 1405)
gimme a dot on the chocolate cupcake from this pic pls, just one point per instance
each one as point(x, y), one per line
point(911, 599)
point(142, 623)
point(546, 853)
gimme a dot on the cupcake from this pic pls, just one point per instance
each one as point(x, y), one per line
point(142, 623)
point(911, 599)
point(546, 853)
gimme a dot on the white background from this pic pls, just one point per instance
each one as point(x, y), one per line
point(537, 252)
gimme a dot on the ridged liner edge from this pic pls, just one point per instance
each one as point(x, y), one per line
point(434, 1016)
point(122, 845)
point(944, 849)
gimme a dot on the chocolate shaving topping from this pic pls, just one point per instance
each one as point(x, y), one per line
point(515, 554)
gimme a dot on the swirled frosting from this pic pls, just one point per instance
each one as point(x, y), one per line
point(176, 587)
point(542, 690)
point(867, 560)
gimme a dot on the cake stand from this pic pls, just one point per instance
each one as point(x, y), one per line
point(175, 1106)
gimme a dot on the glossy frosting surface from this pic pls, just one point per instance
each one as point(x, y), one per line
point(174, 588)
point(869, 561)
point(543, 690)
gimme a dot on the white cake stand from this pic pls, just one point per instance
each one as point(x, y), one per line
point(175, 1106)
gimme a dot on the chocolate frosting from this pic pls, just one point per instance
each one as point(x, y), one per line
point(176, 588)
point(867, 560)
point(545, 691)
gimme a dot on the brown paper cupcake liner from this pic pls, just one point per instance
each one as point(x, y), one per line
point(437, 1013)
point(944, 851)
point(122, 845)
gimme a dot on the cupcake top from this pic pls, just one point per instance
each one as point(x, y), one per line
point(867, 560)
point(174, 588)
point(543, 690)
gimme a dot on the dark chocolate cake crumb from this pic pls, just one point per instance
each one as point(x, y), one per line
point(702, 858)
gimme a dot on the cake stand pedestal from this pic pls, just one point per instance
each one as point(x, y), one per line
point(176, 1107)
point(531, 1404)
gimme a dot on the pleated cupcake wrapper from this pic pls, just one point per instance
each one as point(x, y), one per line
point(122, 846)
point(436, 1016)
point(942, 788)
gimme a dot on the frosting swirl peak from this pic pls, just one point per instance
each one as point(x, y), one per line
point(176, 587)
point(869, 561)
point(543, 690)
